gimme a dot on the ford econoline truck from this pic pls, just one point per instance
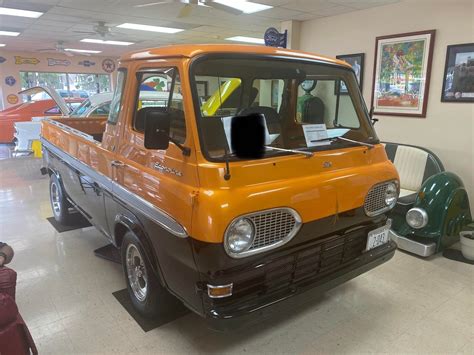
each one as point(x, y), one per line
point(230, 236)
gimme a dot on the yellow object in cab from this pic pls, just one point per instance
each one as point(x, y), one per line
point(210, 107)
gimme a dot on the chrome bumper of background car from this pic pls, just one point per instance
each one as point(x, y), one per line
point(412, 246)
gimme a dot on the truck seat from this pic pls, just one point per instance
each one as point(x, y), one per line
point(272, 117)
point(414, 165)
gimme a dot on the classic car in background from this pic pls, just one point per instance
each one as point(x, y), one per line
point(32, 108)
point(433, 205)
point(27, 132)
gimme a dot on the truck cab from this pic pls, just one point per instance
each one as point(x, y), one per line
point(230, 235)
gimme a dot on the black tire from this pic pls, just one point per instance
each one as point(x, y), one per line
point(144, 288)
point(59, 204)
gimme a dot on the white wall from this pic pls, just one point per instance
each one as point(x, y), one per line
point(448, 128)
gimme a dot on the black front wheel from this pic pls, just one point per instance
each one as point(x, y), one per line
point(143, 287)
point(59, 204)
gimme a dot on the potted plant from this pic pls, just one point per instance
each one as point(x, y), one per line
point(467, 244)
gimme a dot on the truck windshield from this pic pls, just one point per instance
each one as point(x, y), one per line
point(304, 103)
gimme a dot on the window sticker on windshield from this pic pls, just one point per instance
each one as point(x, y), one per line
point(315, 135)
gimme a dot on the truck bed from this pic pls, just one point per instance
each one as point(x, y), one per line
point(91, 126)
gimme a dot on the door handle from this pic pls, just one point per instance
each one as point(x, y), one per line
point(117, 163)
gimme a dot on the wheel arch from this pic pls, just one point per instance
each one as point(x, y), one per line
point(129, 223)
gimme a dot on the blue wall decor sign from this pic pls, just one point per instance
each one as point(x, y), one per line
point(10, 80)
point(273, 38)
point(2, 60)
point(86, 63)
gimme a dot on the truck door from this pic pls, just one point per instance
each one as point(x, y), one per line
point(158, 185)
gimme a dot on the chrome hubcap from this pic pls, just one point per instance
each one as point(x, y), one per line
point(55, 201)
point(136, 273)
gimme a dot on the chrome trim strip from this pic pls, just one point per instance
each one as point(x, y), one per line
point(413, 246)
point(296, 228)
point(143, 206)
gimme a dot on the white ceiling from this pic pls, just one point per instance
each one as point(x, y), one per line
point(204, 25)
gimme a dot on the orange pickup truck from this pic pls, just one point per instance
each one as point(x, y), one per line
point(230, 236)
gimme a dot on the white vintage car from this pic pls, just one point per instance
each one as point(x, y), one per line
point(27, 132)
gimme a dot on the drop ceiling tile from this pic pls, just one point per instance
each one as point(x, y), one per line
point(279, 13)
point(334, 10)
point(304, 5)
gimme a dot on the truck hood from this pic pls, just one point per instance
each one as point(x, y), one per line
point(329, 183)
point(63, 107)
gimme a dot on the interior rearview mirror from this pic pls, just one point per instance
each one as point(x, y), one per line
point(248, 136)
point(157, 129)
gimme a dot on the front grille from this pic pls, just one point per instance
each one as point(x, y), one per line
point(282, 275)
point(272, 227)
point(375, 200)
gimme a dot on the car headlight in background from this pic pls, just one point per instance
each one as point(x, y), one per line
point(417, 218)
point(239, 236)
point(391, 194)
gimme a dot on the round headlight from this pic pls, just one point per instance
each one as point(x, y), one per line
point(391, 194)
point(239, 236)
point(417, 218)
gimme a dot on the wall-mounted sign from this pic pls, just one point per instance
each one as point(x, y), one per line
point(86, 63)
point(2, 60)
point(273, 38)
point(12, 99)
point(10, 80)
point(24, 60)
point(52, 61)
point(108, 65)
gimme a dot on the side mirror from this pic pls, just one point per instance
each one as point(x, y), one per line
point(157, 129)
point(248, 136)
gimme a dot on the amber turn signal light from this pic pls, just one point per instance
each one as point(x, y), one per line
point(219, 291)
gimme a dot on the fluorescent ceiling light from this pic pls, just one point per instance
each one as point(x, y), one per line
point(2, 44)
point(246, 39)
point(9, 33)
point(101, 41)
point(247, 7)
point(21, 13)
point(136, 26)
point(82, 50)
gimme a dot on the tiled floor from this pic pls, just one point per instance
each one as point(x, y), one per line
point(407, 305)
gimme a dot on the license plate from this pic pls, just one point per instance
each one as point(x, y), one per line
point(377, 237)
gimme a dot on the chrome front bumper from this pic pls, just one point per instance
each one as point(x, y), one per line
point(413, 246)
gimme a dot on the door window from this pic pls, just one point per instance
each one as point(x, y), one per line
point(161, 89)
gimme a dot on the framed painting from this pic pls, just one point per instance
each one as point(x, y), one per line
point(458, 80)
point(356, 61)
point(402, 70)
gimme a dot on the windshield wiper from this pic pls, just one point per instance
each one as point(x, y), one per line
point(295, 151)
point(370, 146)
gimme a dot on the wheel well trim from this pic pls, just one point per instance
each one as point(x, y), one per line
point(133, 225)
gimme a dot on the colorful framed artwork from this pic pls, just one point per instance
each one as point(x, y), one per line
point(356, 61)
point(458, 80)
point(402, 70)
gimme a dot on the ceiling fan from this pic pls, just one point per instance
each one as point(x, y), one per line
point(189, 4)
point(101, 29)
point(59, 47)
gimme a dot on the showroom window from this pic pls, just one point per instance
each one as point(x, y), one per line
point(67, 84)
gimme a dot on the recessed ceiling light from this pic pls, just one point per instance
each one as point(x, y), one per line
point(21, 13)
point(247, 7)
point(136, 26)
point(2, 44)
point(9, 33)
point(246, 39)
point(101, 41)
point(82, 50)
